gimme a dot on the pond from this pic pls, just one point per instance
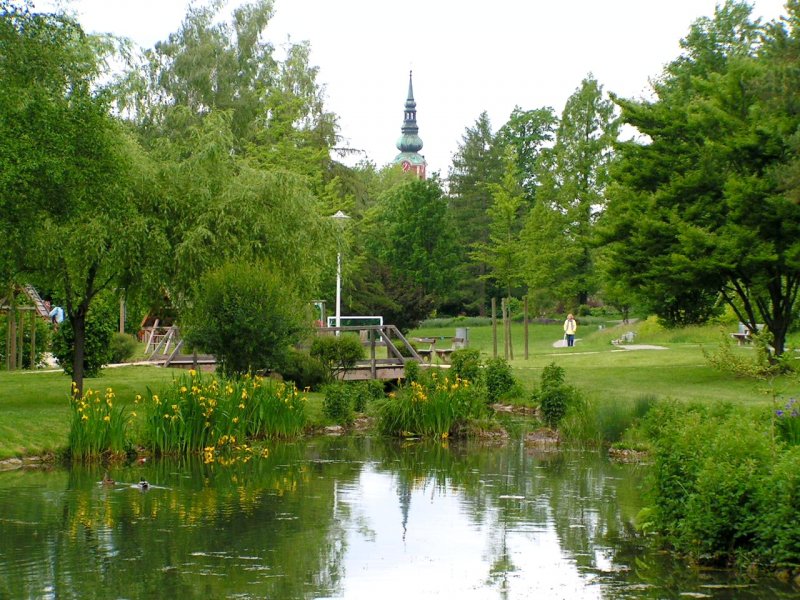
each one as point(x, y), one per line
point(346, 517)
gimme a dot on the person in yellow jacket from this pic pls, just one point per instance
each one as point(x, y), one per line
point(570, 327)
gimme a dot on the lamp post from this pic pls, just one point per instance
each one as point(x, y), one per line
point(341, 218)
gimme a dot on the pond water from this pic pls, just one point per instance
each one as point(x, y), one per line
point(345, 518)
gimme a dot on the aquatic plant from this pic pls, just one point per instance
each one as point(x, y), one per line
point(198, 410)
point(97, 427)
point(435, 405)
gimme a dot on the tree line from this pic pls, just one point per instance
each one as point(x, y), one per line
point(215, 149)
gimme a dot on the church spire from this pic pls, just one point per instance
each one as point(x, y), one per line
point(409, 142)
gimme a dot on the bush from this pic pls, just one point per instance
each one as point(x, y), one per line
point(122, 347)
point(499, 379)
point(367, 391)
point(337, 354)
point(339, 402)
point(100, 326)
point(306, 371)
point(413, 371)
point(554, 396)
point(247, 315)
point(721, 490)
point(778, 528)
point(466, 364)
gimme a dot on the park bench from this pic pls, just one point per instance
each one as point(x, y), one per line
point(625, 338)
point(444, 353)
point(425, 353)
point(745, 334)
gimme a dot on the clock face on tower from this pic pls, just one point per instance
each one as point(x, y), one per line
point(406, 166)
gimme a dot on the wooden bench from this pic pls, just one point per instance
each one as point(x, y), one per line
point(425, 353)
point(742, 338)
point(444, 353)
point(745, 334)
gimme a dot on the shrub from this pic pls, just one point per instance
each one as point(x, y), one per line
point(466, 364)
point(247, 315)
point(720, 490)
point(554, 396)
point(122, 347)
point(338, 404)
point(337, 354)
point(777, 526)
point(306, 371)
point(412, 371)
point(499, 379)
point(100, 326)
point(368, 391)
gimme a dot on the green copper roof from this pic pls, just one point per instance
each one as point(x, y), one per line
point(409, 141)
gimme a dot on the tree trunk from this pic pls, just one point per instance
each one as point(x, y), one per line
point(78, 322)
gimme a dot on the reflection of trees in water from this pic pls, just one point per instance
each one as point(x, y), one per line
point(202, 532)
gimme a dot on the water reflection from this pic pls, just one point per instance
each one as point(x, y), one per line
point(344, 518)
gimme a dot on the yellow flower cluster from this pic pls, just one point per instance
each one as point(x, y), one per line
point(418, 392)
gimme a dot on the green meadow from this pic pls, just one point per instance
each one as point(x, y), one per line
point(35, 412)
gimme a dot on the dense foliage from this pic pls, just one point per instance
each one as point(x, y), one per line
point(554, 396)
point(723, 485)
point(99, 330)
point(436, 404)
point(337, 354)
point(704, 203)
point(247, 315)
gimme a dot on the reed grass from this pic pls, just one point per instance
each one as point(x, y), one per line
point(199, 411)
point(98, 427)
point(432, 406)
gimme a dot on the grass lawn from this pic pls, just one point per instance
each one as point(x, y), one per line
point(35, 409)
point(605, 372)
point(34, 413)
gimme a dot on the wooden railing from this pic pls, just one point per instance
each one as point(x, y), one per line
point(378, 336)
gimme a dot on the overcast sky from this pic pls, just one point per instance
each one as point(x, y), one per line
point(467, 55)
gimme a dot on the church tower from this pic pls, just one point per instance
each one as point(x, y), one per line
point(409, 142)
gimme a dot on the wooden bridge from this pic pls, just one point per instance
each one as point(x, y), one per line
point(379, 339)
point(385, 359)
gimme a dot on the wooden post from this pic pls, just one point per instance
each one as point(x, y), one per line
point(33, 339)
point(494, 327)
point(503, 309)
point(21, 342)
point(9, 331)
point(510, 339)
point(12, 334)
point(373, 371)
point(122, 313)
point(525, 324)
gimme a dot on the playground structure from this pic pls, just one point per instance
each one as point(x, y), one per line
point(17, 315)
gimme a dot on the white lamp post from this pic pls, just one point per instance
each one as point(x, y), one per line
point(340, 219)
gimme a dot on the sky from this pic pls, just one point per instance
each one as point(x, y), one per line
point(467, 56)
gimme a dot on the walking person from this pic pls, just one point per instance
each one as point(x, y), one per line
point(570, 327)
